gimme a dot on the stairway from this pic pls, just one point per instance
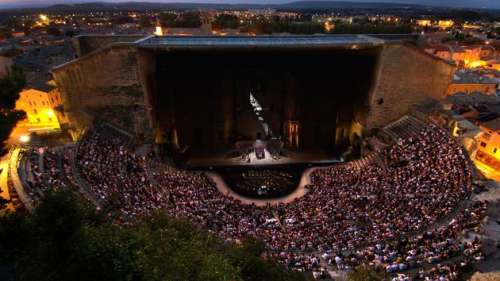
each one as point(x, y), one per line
point(373, 157)
point(404, 127)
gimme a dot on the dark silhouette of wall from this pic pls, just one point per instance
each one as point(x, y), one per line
point(204, 94)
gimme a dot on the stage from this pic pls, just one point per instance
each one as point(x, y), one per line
point(202, 160)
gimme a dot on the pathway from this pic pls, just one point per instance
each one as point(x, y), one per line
point(4, 188)
point(491, 229)
point(81, 183)
point(16, 180)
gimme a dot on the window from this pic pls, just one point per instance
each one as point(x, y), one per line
point(36, 112)
point(495, 150)
point(483, 144)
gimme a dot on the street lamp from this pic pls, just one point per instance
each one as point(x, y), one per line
point(24, 138)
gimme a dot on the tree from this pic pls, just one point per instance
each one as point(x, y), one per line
point(190, 19)
point(145, 22)
point(185, 20)
point(3, 202)
point(167, 19)
point(54, 31)
point(122, 19)
point(365, 273)
point(70, 33)
point(5, 33)
point(224, 21)
point(10, 87)
point(66, 238)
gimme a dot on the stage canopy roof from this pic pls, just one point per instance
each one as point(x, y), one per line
point(292, 41)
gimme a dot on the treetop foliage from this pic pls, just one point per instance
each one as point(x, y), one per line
point(364, 273)
point(10, 87)
point(185, 20)
point(65, 238)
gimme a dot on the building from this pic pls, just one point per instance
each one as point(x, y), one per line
point(441, 51)
point(445, 24)
point(468, 82)
point(488, 150)
point(477, 128)
point(424, 23)
point(43, 107)
point(463, 56)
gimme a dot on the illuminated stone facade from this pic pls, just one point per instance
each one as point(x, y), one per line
point(43, 110)
point(116, 82)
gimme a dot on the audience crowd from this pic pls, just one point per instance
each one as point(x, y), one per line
point(47, 169)
point(410, 212)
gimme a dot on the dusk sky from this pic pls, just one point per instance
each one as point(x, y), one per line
point(452, 3)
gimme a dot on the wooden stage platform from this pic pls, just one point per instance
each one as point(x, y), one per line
point(220, 159)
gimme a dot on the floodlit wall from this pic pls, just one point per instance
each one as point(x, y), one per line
point(104, 85)
point(406, 77)
point(110, 84)
point(486, 89)
point(40, 112)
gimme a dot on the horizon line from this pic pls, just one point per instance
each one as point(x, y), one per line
point(14, 6)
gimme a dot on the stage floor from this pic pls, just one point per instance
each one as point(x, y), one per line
point(211, 160)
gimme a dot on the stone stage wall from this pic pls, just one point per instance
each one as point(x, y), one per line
point(406, 77)
point(104, 84)
point(107, 82)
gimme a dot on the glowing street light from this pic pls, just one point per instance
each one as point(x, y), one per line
point(50, 113)
point(24, 138)
point(44, 19)
point(158, 31)
point(329, 26)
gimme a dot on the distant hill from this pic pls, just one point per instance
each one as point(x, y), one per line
point(75, 6)
point(346, 5)
point(298, 5)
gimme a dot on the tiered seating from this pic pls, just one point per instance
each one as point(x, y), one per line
point(371, 158)
point(404, 127)
point(380, 210)
point(14, 197)
point(34, 172)
point(109, 166)
point(46, 169)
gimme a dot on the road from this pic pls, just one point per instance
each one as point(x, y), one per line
point(4, 167)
